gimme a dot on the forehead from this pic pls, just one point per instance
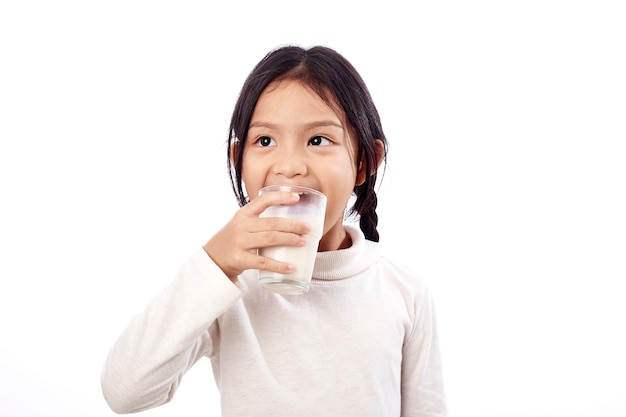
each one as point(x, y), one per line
point(290, 93)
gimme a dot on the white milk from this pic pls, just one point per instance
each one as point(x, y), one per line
point(310, 208)
point(302, 258)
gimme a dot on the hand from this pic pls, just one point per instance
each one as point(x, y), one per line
point(234, 247)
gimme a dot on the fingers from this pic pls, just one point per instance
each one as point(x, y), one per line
point(234, 248)
point(274, 198)
point(268, 264)
point(255, 234)
point(234, 253)
point(271, 238)
point(256, 207)
point(279, 225)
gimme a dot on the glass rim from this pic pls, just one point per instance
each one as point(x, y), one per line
point(291, 188)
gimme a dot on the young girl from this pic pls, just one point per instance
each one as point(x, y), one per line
point(362, 341)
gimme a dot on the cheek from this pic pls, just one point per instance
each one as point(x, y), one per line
point(250, 172)
point(342, 172)
point(247, 177)
point(340, 181)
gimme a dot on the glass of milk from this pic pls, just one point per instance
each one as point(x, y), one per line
point(310, 208)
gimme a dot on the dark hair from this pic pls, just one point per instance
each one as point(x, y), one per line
point(334, 79)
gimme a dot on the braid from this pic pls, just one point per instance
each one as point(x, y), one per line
point(365, 207)
point(369, 221)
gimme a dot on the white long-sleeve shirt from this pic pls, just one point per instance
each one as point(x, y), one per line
point(361, 342)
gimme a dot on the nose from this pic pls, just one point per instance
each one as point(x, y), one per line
point(289, 165)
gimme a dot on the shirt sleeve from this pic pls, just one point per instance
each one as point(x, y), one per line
point(146, 364)
point(422, 377)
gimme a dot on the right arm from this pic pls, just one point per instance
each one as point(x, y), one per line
point(146, 364)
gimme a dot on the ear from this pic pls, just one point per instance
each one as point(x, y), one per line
point(234, 148)
point(361, 174)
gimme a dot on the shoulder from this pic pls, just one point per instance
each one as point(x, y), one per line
point(401, 272)
point(405, 282)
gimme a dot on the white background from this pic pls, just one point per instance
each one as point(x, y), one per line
point(506, 184)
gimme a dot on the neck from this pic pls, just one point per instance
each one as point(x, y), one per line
point(336, 238)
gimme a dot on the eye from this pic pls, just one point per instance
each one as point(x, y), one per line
point(265, 141)
point(319, 141)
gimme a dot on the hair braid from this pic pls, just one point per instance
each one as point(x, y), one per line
point(365, 206)
point(369, 220)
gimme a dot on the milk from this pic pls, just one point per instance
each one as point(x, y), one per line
point(302, 258)
point(310, 209)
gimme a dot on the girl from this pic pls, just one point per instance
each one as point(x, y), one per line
point(362, 341)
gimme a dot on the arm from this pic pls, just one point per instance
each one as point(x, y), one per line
point(146, 364)
point(422, 380)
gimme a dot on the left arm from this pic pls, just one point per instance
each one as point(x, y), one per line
point(422, 380)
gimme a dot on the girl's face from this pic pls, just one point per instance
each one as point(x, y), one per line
point(295, 138)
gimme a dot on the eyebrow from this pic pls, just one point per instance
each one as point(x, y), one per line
point(307, 126)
